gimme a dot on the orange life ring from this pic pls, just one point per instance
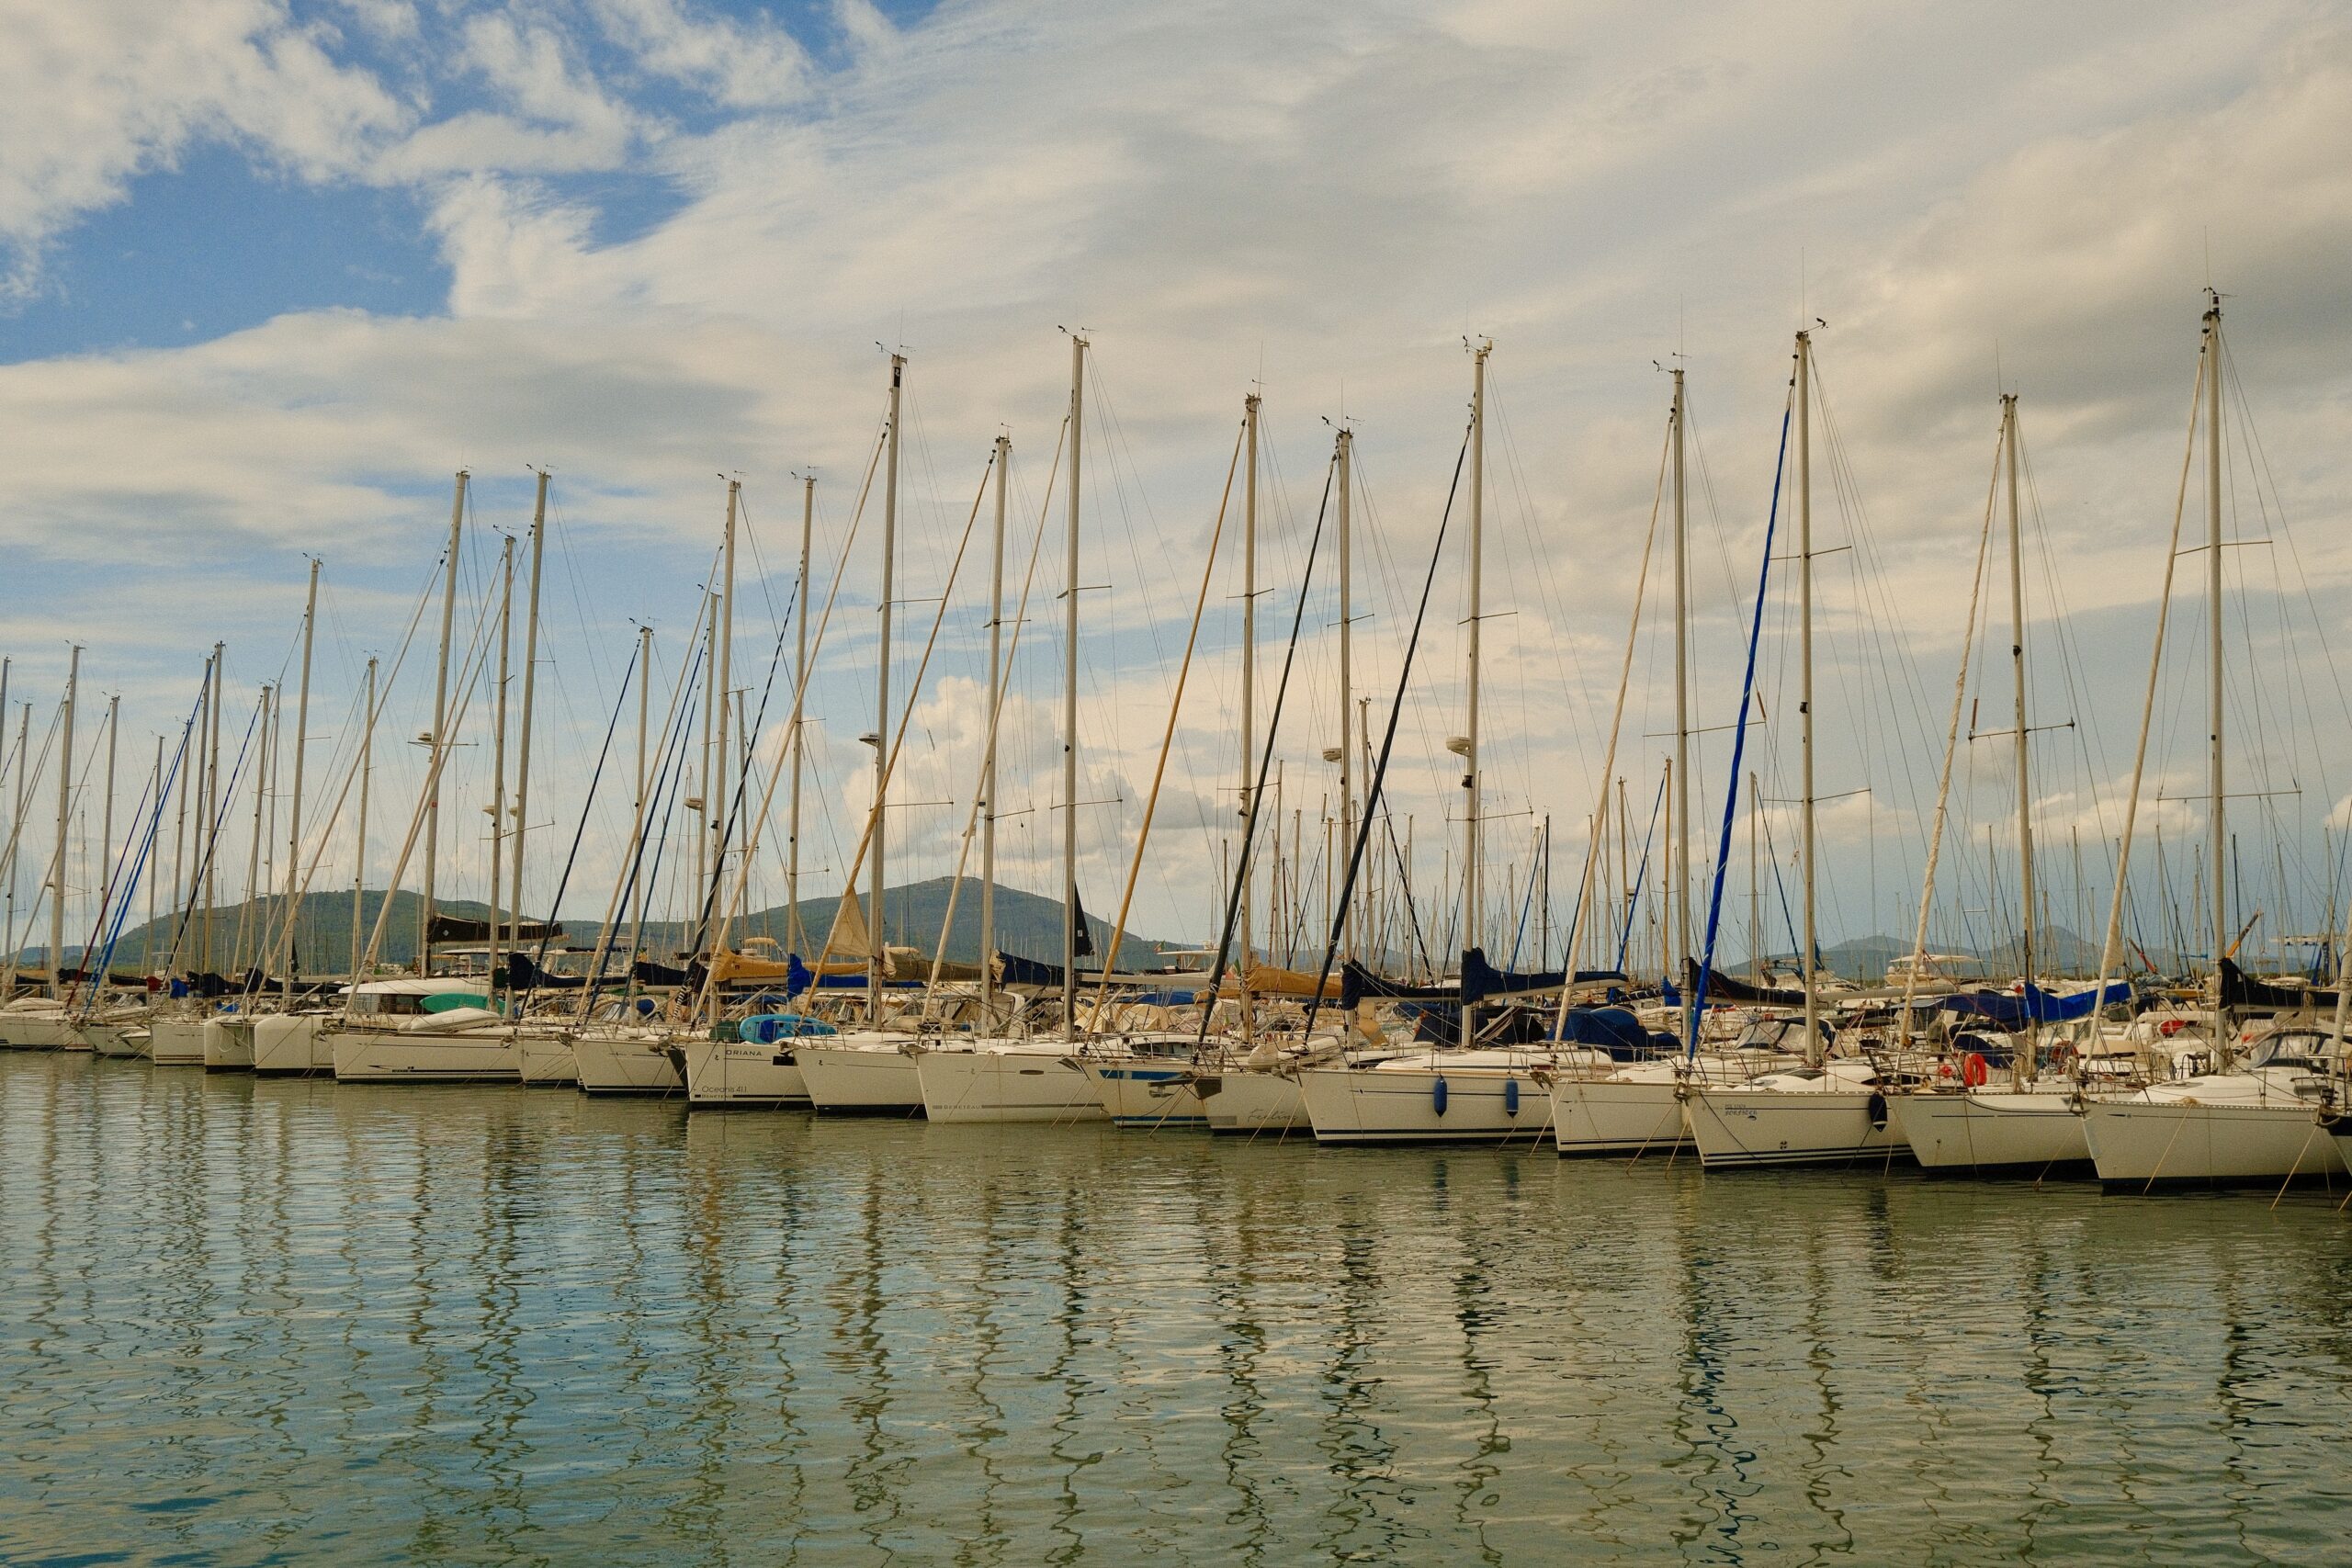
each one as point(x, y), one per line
point(1975, 1071)
point(2171, 1027)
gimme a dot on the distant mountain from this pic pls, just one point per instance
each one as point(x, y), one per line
point(1026, 924)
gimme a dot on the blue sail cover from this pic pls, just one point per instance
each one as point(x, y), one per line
point(2011, 1012)
point(1613, 1030)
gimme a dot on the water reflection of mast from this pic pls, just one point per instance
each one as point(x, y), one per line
point(1718, 1474)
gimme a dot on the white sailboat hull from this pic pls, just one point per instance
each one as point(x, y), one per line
point(1744, 1128)
point(739, 1073)
point(547, 1059)
point(2137, 1144)
point(175, 1042)
point(370, 1056)
point(229, 1044)
point(872, 1080)
point(287, 1043)
point(1005, 1086)
point(1982, 1132)
point(1147, 1091)
point(1376, 1105)
point(605, 1063)
point(40, 1032)
point(1604, 1116)
point(1251, 1101)
point(122, 1041)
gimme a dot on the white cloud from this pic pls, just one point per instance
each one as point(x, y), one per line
point(94, 93)
point(737, 64)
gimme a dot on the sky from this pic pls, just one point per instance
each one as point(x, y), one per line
point(270, 273)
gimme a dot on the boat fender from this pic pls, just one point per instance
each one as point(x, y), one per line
point(1437, 1097)
point(1510, 1097)
point(1976, 1071)
point(1878, 1112)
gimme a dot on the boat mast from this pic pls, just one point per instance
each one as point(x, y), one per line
point(1248, 706)
point(440, 716)
point(794, 938)
point(1470, 782)
point(497, 758)
point(1813, 1050)
point(16, 827)
point(637, 832)
point(255, 883)
point(698, 838)
point(1347, 445)
point(522, 742)
point(1070, 698)
point(1678, 885)
point(147, 936)
point(359, 846)
point(105, 830)
point(294, 808)
point(2022, 1063)
point(65, 804)
point(16, 837)
point(2213, 630)
point(876, 951)
point(1755, 876)
point(988, 760)
point(716, 822)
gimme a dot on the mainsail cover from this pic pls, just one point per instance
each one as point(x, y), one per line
point(1481, 980)
point(2240, 989)
point(1722, 987)
point(2042, 1007)
point(458, 928)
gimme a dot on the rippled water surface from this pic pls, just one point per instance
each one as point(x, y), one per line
point(249, 1322)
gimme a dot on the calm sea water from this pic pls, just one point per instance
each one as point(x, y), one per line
point(249, 1322)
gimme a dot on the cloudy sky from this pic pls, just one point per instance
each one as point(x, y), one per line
point(271, 272)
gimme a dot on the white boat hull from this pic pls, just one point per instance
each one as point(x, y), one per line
point(1603, 1116)
point(1005, 1086)
point(605, 1063)
point(1146, 1092)
point(547, 1059)
point(40, 1032)
point(871, 1080)
point(1744, 1128)
point(1376, 1105)
point(2137, 1144)
point(175, 1042)
point(229, 1044)
point(1249, 1102)
point(1985, 1133)
point(740, 1072)
point(370, 1056)
point(122, 1041)
point(291, 1043)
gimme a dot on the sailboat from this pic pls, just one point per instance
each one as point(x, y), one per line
point(1152, 1077)
point(871, 1072)
point(758, 1064)
point(1465, 1092)
point(1631, 1109)
point(1034, 1077)
point(2030, 1125)
point(1829, 1109)
point(425, 1028)
point(41, 1022)
point(2249, 1119)
point(176, 1028)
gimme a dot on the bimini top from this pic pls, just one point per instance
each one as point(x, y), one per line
point(418, 986)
